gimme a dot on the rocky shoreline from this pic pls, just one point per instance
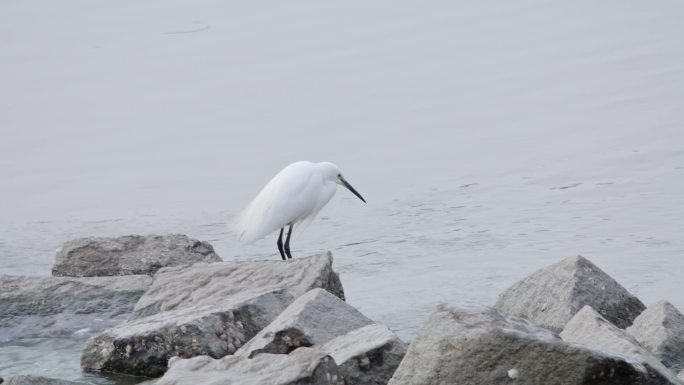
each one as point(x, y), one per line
point(168, 308)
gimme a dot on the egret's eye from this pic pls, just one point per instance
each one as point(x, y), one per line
point(339, 175)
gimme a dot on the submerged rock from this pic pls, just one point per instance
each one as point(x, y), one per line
point(205, 309)
point(38, 380)
point(488, 348)
point(591, 329)
point(660, 329)
point(129, 254)
point(303, 366)
point(551, 296)
point(61, 306)
point(313, 318)
point(366, 356)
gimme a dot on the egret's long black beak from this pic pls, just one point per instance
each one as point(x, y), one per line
point(352, 189)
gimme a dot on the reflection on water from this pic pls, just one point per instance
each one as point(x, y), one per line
point(490, 139)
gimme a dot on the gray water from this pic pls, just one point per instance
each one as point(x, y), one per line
point(490, 139)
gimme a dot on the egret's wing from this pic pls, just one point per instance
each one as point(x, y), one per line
point(288, 197)
point(323, 196)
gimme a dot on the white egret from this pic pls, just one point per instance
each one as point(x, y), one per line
point(294, 196)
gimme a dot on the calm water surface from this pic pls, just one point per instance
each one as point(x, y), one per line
point(489, 139)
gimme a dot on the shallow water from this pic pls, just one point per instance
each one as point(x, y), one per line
point(489, 138)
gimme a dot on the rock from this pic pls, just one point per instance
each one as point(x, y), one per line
point(366, 353)
point(205, 284)
point(303, 366)
point(660, 329)
point(61, 306)
point(551, 296)
point(366, 356)
point(205, 309)
point(37, 380)
point(681, 375)
point(591, 329)
point(313, 318)
point(130, 254)
point(486, 347)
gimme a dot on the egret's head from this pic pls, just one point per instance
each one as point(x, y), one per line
point(332, 172)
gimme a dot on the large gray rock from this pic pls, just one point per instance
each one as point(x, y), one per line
point(303, 366)
point(486, 347)
point(591, 329)
point(60, 306)
point(205, 309)
point(551, 296)
point(313, 318)
point(37, 380)
point(366, 356)
point(206, 284)
point(129, 254)
point(660, 329)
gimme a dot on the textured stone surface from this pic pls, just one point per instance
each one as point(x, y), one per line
point(486, 347)
point(551, 296)
point(590, 329)
point(313, 318)
point(205, 309)
point(129, 254)
point(660, 329)
point(368, 355)
point(60, 306)
point(303, 366)
point(205, 284)
point(37, 380)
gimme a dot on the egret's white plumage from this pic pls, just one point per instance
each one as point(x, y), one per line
point(294, 196)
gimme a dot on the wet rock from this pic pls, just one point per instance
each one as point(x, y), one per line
point(591, 329)
point(486, 347)
point(37, 380)
point(130, 254)
point(303, 366)
point(313, 318)
point(551, 296)
point(205, 309)
point(660, 329)
point(368, 355)
point(61, 306)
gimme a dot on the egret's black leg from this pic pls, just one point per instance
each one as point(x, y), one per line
point(287, 242)
point(280, 244)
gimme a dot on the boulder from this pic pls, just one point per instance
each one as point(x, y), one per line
point(303, 366)
point(591, 329)
point(660, 329)
point(207, 284)
point(366, 356)
point(205, 309)
point(129, 254)
point(487, 347)
point(551, 296)
point(38, 380)
point(61, 306)
point(313, 318)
